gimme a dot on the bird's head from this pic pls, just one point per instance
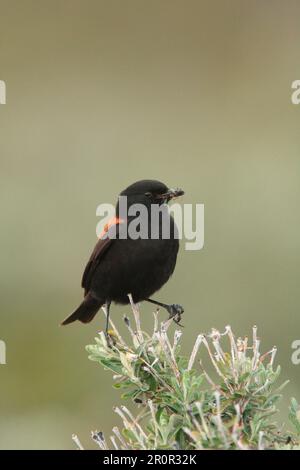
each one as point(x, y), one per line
point(149, 192)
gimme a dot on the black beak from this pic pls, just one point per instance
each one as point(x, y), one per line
point(171, 194)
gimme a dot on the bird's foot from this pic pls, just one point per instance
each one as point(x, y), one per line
point(110, 338)
point(175, 312)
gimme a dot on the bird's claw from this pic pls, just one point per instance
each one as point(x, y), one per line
point(110, 339)
point(175, 312)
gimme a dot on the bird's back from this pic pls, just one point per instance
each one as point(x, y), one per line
point(140, 267)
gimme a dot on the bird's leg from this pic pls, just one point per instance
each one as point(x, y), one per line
point(174, 310)
point(107, 335)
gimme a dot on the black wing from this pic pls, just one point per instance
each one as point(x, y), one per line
point(101, 247)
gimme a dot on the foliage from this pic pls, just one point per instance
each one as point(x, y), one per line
point(181, 406)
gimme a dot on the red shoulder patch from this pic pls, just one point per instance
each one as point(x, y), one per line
point(110, 223)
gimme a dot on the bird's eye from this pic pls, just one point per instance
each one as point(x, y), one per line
point(149, 195)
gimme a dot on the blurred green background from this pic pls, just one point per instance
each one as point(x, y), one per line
point(195, 93)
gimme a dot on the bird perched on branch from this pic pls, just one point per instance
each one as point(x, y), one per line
point(136, 253)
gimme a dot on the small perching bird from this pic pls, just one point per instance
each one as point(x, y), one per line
point(140, 266)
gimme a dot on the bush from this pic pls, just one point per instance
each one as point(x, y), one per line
point(181, 405)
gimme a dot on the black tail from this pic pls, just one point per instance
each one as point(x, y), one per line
point(85, 312)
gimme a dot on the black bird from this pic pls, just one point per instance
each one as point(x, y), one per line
point(140, 266)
